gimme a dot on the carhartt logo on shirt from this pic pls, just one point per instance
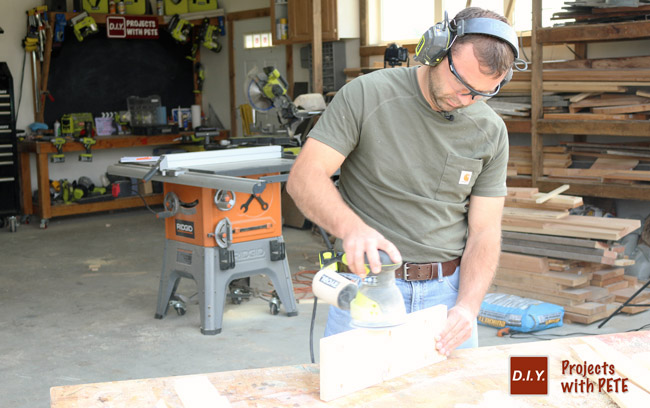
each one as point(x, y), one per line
point(465, 177)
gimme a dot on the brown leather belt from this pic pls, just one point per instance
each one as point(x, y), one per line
point(425, 271)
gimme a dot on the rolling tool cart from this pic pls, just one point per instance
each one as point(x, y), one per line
point(9, 186)
point(223, 222)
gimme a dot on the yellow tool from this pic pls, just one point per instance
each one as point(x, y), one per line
point(376, 303)
point(83, 25)
point(58, 157)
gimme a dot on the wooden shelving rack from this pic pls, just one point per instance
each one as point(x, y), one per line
point(537, 126)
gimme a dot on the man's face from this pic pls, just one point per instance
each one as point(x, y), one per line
point(449, 92)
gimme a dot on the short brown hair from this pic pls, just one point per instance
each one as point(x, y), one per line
point(495, 56)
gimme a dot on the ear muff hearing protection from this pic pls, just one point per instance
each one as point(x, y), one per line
point(438, 39)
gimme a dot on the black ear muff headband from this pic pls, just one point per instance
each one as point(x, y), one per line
point(438, 39)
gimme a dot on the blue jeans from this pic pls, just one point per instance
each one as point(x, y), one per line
point(417, 295)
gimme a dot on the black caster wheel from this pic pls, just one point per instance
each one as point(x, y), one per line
point(274, 309)
point(274, 303)
point(179, 305)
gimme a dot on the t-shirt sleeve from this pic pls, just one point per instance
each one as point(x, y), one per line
point(492, 180)
point(340, 125)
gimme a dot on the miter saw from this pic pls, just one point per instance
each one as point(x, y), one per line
point(267, 90)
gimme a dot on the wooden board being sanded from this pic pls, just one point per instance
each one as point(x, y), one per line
point(360, 358)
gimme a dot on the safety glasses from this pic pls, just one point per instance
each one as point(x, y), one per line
point(472, 92)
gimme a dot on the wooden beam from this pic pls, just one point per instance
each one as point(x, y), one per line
point(248, 14)
point(317, 48)
point(288, 49)
point(544, 198)
point(231, 76)
point(364, 33)
point(601, 63)
point(536, 94)
point(593, 32)
point(357, 359)
point(588, 75)
point(509, 7)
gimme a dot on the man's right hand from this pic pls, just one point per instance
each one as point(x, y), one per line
point(362, 240)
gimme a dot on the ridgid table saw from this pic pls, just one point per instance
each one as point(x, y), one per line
point(223, 222)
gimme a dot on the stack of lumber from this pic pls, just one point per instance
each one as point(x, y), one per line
point(527, 210)
point(605, 170)
point(628, 150)
point(520, 160)
point(603, 11)
point(587, 292)
point(518, 106)
point(606, 106)
point(569, 260)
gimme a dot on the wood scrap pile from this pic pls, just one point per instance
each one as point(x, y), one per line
point(511, 106)
point(606, 106)
point(603, 11)
point(619, 163)
point(569, 260)
point(520, 159)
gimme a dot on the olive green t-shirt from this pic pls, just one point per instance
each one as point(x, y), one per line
point(408, 171)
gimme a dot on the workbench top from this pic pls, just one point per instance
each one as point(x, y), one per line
point(468, 378)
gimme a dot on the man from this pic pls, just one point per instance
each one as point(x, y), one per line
point(423, 169)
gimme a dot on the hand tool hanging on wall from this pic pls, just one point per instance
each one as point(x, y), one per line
point(180, 29)
point(208, 35)
point(83, 25)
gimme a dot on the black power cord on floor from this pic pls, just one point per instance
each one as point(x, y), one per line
point(551, 336)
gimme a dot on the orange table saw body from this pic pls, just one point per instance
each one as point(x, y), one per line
point(193, 227)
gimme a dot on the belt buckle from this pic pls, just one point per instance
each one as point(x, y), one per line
point(406, 272)
point(431, 274)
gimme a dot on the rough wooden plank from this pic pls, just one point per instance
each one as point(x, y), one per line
point(526, 263)
point(594, 116)
point(563, 278)
point(623, 364)
point(587, 308)
point(605, 274)
point(614, 163)
point(556, 253)
point(360, 358)
point(612, 287)
point(534, 213)
point(547, 196)
point(561, 247)
point(586, 243)
point(578, 318)
point(622, 295)
point(613, 110)
point(600, 102)
point(634, 397)
point(565, 86)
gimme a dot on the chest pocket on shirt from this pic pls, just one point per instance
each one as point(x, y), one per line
point(458, 178)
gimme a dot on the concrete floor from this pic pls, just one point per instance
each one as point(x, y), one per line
point(77, 302)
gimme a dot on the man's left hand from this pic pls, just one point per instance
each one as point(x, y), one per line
point(458, 328)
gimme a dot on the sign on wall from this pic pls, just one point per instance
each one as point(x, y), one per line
point(132, 27)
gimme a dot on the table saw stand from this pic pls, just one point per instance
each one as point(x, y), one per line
point(223, 222)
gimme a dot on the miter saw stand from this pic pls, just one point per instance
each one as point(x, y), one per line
point(223, 222)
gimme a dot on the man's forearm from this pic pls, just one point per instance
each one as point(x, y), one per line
point(319, 200)
point(477, 268)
